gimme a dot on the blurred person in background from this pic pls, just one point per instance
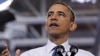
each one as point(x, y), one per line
point(60, 21)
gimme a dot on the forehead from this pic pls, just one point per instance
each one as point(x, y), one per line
point(58, 7)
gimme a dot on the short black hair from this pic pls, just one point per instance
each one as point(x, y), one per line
point(70, 9)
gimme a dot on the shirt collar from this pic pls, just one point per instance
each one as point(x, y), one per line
point(50, 45)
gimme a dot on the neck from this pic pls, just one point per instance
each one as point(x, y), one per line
point(58, 39)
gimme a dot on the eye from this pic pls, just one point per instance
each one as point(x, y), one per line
point(61, 14)
point(49, 14)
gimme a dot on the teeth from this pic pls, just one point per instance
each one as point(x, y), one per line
point(53, 24)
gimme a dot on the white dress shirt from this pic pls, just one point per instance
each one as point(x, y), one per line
point(47, 50)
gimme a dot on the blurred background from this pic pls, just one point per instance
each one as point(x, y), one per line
point(22, 24)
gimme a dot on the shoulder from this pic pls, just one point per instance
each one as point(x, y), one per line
point(36, 52)
point(84, 52)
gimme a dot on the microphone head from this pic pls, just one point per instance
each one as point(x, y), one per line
point(60, 49)
point(73, 49)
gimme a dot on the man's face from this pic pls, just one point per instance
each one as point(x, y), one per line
point(58, 19)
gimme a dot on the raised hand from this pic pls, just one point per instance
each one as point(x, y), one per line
point(17, 52)
point(5, 52)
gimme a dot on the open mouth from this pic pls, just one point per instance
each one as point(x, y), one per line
point(53, 25)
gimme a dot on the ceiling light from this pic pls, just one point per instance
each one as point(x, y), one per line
point(4, 4)
point(84, 1)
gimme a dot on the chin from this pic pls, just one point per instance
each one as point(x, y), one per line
point(53, 33)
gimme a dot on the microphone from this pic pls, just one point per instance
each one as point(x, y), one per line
point(73, 50)
point(60, 50)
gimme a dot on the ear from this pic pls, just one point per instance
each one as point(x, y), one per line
point(73, 26)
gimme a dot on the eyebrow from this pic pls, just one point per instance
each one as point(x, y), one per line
point(50, 12)
point(57, 12)
point(61, 12)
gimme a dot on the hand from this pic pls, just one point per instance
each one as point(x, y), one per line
point(5, 52)
point(17, 52)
